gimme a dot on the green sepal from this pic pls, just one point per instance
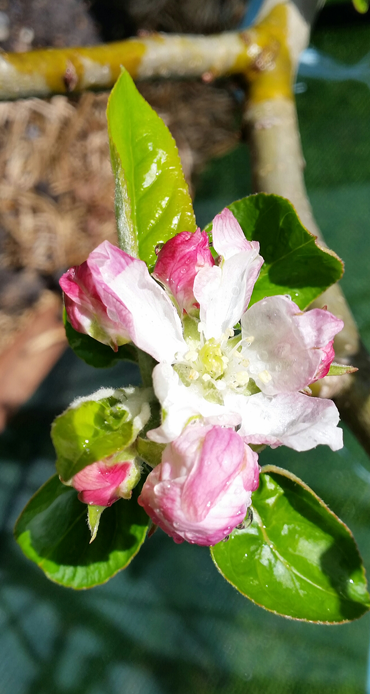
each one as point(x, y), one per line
point(52, 532)
point(295, 264)
point(341, 369)
point(93, 519)
point(96, 353)
point(152, 198)
point(296, 559)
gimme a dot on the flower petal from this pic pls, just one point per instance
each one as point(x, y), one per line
point(134, 300)
point(220, 460)
point(294, 420)
point(228, 237)
point(178, 263)
point(318, 327)
point(100, 483)
point(285, 347)
point(199, 491)
point(224, 292)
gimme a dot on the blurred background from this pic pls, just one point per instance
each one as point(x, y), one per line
point(169, 623)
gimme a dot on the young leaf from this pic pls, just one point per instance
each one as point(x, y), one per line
point(152, 198)
point(52, 532)
point(90, 432)
point(95, 353)
point(294, 263)
point(297, 558)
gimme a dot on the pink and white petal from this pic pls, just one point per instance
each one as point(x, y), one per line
point(228, 237)
point(279, 359)
point(99, 483)
point(318, 327)
point(295, 420)
point(223, 517)
point(224, 292)
point(327, 356)
point(181, 403)
point(86, 310)
point(134, 299)
point(161, 501)
point(179, 261)
point(251, 472)
point(220, 460)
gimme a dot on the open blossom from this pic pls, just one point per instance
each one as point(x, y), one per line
point(202, 488)
point(104, 482)
point(251, 379)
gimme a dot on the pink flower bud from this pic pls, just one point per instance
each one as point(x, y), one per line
point(202, 488)
point(178, 263)
point(113, 298)
point(106, 481)
point(91, 306)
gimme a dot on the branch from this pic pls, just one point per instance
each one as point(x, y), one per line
point(62, 71)
point(278, 162)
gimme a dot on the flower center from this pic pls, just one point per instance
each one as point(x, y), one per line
point(212, 360)
point(213, 367)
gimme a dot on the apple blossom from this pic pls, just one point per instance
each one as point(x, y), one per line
point(205, 369)
point(202, 488)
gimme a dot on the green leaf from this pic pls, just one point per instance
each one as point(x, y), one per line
point(90, 432)
point(340, 369)
point(297, 558)
point(152, 198)
point(95, 353)
point(294, 263)
point(52, 532)
point(361, 6)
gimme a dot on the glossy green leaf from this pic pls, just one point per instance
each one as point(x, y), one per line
point(152, 198)
point(294, 263)
point(52, 531)
point(95, 353)
point(90, 432)
point(340, 369)
point(297, 558)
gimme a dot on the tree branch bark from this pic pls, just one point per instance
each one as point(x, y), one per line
point(271, 119)
point(70, 70)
